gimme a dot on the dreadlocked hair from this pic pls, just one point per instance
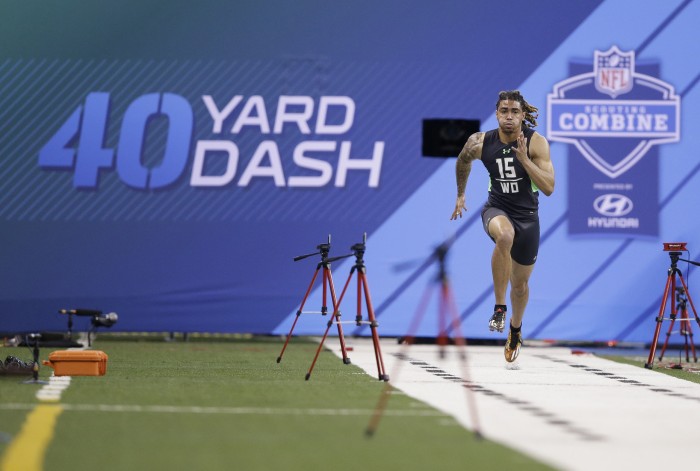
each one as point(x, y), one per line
point(529, 111)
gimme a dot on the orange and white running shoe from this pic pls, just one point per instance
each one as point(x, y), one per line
point(513, 345)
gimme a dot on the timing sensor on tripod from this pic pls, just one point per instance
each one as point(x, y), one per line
point(323, 250)
point(99, 319)
point(105, 320)
point(676, 249)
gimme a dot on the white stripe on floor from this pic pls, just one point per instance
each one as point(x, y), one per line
point(575, 412)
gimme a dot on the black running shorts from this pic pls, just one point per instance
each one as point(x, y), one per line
point(527, 233)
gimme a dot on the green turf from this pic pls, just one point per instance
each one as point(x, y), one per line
point(275, 435)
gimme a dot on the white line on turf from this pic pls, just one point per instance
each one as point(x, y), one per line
point(226, 410)
point(52, 391)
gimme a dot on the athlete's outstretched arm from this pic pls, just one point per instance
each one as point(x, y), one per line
point(470, 152)
point(539, 166)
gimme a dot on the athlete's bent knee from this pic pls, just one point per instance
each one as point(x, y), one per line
point(504, 236)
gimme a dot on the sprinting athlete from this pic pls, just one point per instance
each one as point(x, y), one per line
point(519, 166)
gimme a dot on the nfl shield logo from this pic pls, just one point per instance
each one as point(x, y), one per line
point(613, 135)
point(613, 70)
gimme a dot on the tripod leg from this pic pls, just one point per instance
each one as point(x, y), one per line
point(674, 313)
point(692, 344)
point(690, 299)
point(386, 391)
point(301, 307)
point(659, 319)
point(695, 313)
point(668, 336)
point(449, 302)
point(345, 287)
point(687, 333)
point(442, 318)
point(362, 283)
point(378, 410)
point(684, 331)
point(320, 346)
point(35, 361)
point(460, 341)
point(327, 280)
point(336, 314)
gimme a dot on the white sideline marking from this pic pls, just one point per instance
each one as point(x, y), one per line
point(227, 410)
point(52, 391)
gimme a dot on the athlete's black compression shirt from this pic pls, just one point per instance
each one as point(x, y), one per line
point(510, 186)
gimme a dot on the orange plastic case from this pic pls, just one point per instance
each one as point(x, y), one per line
point(78, 363)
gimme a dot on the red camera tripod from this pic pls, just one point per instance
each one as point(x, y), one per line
point(675, 250)
point(362, 288)
point(324, 264)
point(446, 304)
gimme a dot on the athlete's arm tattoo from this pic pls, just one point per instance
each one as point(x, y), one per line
point(470, 152)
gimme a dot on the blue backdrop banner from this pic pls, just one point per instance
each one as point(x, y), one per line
point(168, 160)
